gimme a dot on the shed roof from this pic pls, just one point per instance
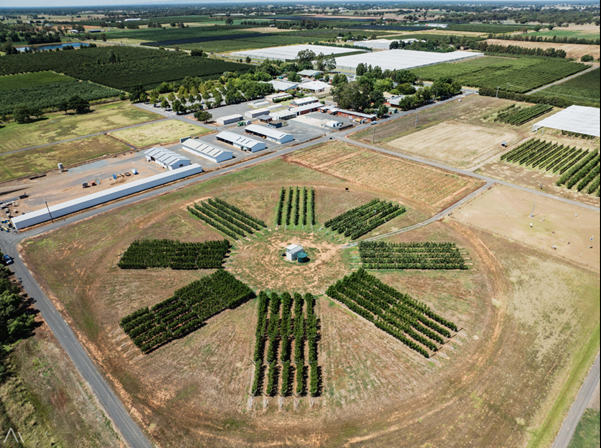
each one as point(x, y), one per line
point(269, 132)
point(239, 139)
point(204, 148)
point(315, 85)
point(294, 248)
point(165, 156)
point(309, 72)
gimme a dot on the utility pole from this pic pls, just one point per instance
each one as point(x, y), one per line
point(373, 140)
point(48, 208)
point(498, 87)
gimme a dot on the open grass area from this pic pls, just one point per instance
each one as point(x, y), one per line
point(580, 33)
point(27, 163)
point(161, 132)
point(36, 79)
point(60, 126)
point(588, 431)
point(581, 89)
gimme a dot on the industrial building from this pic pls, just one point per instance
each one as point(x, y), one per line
point(306, 109)
point(278, 97)
point(288, 53)
point(381, 44)
point(309, 73)
point(229, 119)
point(201, 149)
point(76, 205)
point(315, 86)
point(268, 134)
point(252, 114)
point(400, 59)
point(284, 114)
point(282, 86)
point(240, 141)
point(353, 115)
point(165, 158)
point(303, 101)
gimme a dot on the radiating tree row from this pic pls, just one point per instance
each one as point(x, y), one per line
point(422, 255)
point(296, 206)
point(361, 220)
point(286, 346)
point(227, 218)
point(398, 314)
point(142, 254)
point(185, 311)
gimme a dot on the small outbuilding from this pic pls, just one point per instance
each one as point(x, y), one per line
point(166, 159)
point(229, 119)
point(292, 252)
point(303, 101)
point(252, 114)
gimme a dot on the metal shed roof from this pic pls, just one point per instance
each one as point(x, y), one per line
point(165, 156)
point(239, 139)
point(309, 72)
point(206, 149)
point(315, 85)
point(579, 119)
point(268, 132)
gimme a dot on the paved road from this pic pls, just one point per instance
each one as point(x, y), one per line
point(577, 410)
point(563, 80)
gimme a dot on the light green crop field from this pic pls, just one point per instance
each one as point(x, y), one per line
point(581, 34)
point(37, 79)
point(60, 126)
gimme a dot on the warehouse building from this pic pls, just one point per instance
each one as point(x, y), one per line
point(353, 115)
point(288, 52)
point(240, 141)
point(303, 101)
point(315, 86)
point(201, 149)
point(284, 114)
point(309, 73)
point(306, 109)
point(76, 205)
point(282, 86)
point(165, 158)
point(268, 134)
point(252, 114)
point(229, 119)
point(277, 97)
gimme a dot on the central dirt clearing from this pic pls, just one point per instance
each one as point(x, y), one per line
point(506, 211)
point(161, 132)
point(574, 51)
point(529, 329)
point(60, 126)
point(459, 144)
point(425, 185)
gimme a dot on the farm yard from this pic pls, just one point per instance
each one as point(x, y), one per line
point(166, 131)
point(424, 185)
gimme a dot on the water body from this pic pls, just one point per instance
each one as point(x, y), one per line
point(51, 46)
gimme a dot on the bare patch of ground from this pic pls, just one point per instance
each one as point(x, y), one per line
point(459, 144)
point(505, 211)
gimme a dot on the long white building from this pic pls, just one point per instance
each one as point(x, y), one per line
point(240, 141)
point(201, 149)
point(165, 158)
point(269, 133)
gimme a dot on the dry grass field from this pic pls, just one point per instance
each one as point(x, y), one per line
point(161, 132)
point(456, 143)
point(529, 329)
point(27, 163)
point(574, 51)
point(419, 183)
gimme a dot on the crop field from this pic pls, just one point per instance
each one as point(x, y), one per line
point(582, 89)
point(573, 51)
point(296, 207)
point(457, 143)
point(60, 126)
point(576, 167)
point(382, 255)
point(517, 116)
point(578, 31)
point(513, 74)
point(427, 186)
point(279, 331)
point(165, 131)
point(197, 389)
point(133, 65)
point(157, 35)
point(26, 80)
point(27, 163)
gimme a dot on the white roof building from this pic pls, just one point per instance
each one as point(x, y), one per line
point(288, 52)
point(400, 59)
point(252, 114)
point(579, 119)
point(269, 133)
point(303, 101)
point(292, 252)
point(201, 149)
point(240, 141)
point(309, 73)
point(305, 109)
point(380, 44)
point(166, 159)
point(282, 86)
point(229, 119)
point(315, 86)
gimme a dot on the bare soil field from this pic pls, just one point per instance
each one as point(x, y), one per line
point(506, 211)
point(456, 143)
point(419, 183)
point(494, 383)
point(162, 132)
point(574, 51)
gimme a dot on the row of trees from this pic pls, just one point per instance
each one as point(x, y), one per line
point(185, 311)
point(361, 220)
point(143, 254)
point(520, 115)
point(294, 206)
point(227, 218)
point(381, 255)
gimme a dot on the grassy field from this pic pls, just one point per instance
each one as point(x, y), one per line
point(25, 80)
point(60, 126)
point(588, 431)
point(161, 132)
point(27, 163)
point(583, 88)
point(578, 33)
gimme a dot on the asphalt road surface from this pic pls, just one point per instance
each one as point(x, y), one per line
point(131, 433)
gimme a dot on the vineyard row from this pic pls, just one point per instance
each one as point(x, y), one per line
point(404, 318)
point(361, 220)
point(185, 311)
point(279, 328)
point(518, 116)
point(381, 255)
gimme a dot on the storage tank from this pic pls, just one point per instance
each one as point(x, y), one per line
point(302, 257)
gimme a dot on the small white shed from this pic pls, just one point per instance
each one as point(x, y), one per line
point(292, 252)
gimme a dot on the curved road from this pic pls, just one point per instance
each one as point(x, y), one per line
point(131, 433)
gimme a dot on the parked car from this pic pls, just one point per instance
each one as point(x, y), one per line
point(7, 259)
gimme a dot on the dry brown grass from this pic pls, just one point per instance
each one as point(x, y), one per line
point(574, 51)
